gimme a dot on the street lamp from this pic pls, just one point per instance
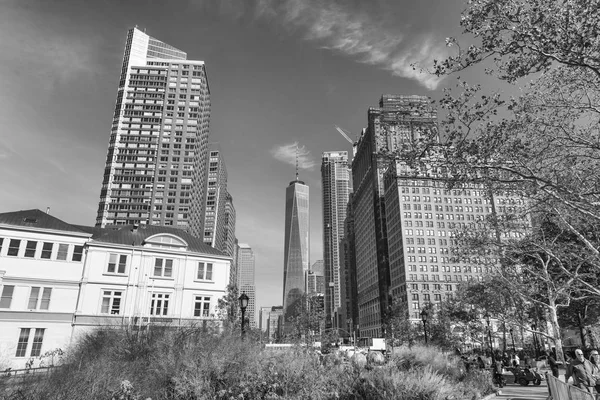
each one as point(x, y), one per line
point(487, 320)
point(512, 338)
point(243, 299)
point(424, 319)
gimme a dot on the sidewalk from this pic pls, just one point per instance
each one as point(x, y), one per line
point(518, 392)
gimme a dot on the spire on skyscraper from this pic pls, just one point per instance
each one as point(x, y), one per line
point(297, 162)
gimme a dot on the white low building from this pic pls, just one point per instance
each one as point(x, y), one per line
point(59, 280)
point(147, 274)
point(41, 263)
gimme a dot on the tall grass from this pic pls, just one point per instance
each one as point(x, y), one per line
point(191, 364)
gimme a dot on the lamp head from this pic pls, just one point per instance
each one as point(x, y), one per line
point(243, 299)
point(424, 315)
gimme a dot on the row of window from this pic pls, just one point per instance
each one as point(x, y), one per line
point(163, 267)
point(47, 250)
point(39, 297)
point(159, 304)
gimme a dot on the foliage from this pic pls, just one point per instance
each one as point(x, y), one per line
point(227, 308)
point(188, 363)
point(536, 156)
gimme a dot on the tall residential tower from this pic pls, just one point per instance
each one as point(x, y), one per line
point(157, 154)
point(337, 185)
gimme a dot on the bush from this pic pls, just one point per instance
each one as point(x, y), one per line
point(191, 364)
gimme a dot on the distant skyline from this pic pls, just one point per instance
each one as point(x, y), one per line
point(281, 74)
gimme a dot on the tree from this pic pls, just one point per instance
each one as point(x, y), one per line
point(227, 308)
point(541, 147)
point(399, 330)
point(305, 319)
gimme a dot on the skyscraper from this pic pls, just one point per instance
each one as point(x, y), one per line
point(315, 278)
point(156, 161)
point(216, 200)
point(392, 127)
point(245, 282)
point(335, 178)
point(229, 241)
point(296, 242)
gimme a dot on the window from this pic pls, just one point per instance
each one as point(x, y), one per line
point(23, 340)
point(30, 248)
point(13, 247)
point(47, 250)
point(159, 304)
point(6, 298)
point(1, 242)
point(46, 294)
point(77, 253)
point(38, 338)
point(111, 302)
point(63, 251)
point(205, 271)
point(163, 267)
point(117, 263)
point(34, 296)
point(202, 306)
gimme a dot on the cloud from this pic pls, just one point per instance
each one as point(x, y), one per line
point(288, 153)
point(362, 34)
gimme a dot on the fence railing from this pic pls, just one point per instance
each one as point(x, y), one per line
point(559, 390)
point(12, 373)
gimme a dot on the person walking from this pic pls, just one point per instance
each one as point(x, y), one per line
point(582, 371)
point(595, 360)
point(552, 363)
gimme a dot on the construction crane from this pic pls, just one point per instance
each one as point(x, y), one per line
point(345, 134)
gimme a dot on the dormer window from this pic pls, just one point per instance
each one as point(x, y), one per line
point(166, 241)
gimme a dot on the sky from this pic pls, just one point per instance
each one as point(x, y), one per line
point(282, 73)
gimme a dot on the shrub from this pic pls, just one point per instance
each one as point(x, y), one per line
point(192, 364)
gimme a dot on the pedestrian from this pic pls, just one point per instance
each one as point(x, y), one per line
point(582, 371)
point(480, 363)
point(595, 360)
point(552, 364)
point(515, 361)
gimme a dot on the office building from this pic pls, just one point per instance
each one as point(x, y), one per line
point(216, 200)
point(245, 279)
point(349, 314)
point(336, 187)
point(422, 216)
point(315, 278)
point(275, 322)
point(296, 244)
point(157, 154)
point(392, 127)
point(229, 246)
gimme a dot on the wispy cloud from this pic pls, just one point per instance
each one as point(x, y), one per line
point(288, 152)
point(362, 34)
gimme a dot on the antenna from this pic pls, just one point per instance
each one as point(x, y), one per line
point(296, 160)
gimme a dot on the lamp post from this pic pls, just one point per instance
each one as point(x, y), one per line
point(243, 299)
point(424, 319)
point(487, 320)
point(512, 338)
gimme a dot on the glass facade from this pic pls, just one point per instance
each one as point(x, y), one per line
point(245, 281)
point(335, 178)
point(296, 242)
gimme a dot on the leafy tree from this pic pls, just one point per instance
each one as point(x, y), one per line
point(305, 319)
point(541, 147)
point(399, 330)
point(227, 308)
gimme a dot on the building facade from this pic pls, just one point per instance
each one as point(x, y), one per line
point(229, 240)
point(315, 278)
point(392, 127)
point(336, 188)
point(296, 243)
point(141, 275)
point(59, 280)
point(245, 283)
point(156, 164)
point(216, 200)
point(423, 215)
point(41, 263)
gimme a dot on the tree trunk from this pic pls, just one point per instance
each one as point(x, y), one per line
point(553, 317)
